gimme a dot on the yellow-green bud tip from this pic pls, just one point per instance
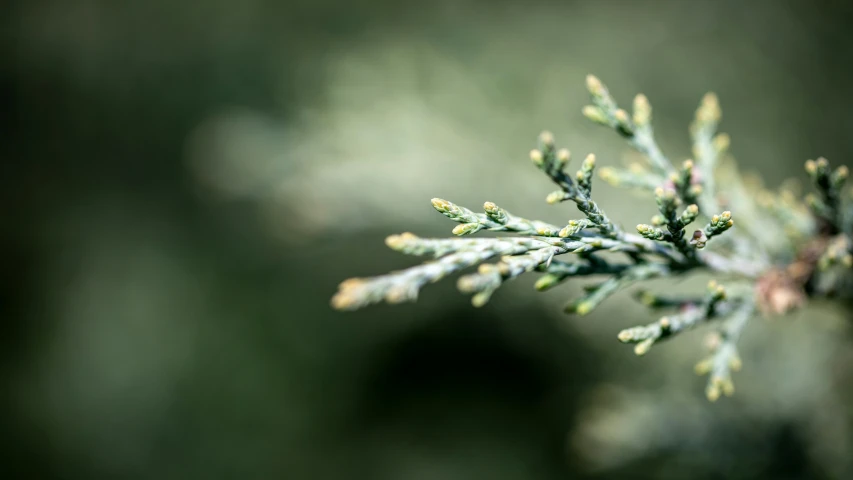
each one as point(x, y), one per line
point(393, 241)
point(722, 142)
point(555, 197)
point(641, 102)
point(703, 367)
point(643, 347)
point(709, 110)
point(545, 282)
point(480, 299)
point(486, 268)
point(397, 242)
point(728, 387)
point(441, 204)
point(466, 284)
point(712, 392)
point(466, 228)
point(546, 138)
point(583, 308)
point(608, 174)
point(595, 114)
point(735, 363)
point(343, 301)
point(536, 156)
point(642, 110)
point(594, 85)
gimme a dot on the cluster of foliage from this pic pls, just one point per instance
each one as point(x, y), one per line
point(783, 251)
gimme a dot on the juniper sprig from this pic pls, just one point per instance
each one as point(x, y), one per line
point(772, 260)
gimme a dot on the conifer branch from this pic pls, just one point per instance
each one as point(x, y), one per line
point(777, 255)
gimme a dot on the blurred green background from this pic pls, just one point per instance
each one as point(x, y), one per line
point(185, 183)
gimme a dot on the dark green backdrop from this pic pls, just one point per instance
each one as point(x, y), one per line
point(185, 183)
